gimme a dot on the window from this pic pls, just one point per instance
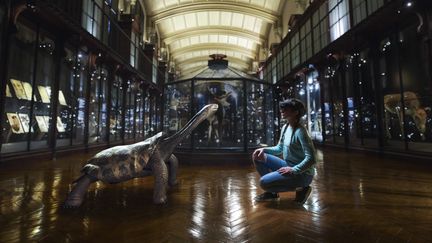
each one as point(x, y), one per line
point(338, 18)
point(92, 17)
point(359, 11)
point(295, 50)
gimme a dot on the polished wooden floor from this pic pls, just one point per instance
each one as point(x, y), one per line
point(355, 198)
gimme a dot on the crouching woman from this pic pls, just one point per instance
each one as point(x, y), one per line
point(297, 168)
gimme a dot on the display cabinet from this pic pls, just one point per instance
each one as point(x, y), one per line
point(80, 89)
point(116, 124)
point(139, 111)
point(97, 105)
point(19, 92)
point(178, 109)
point(242, 119)
point(225, 128)
point(130, 114)
point(259, 110)
point(66, 102)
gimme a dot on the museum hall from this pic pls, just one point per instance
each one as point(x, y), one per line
point(216, 121)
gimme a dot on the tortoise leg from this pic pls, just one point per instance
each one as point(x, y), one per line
point(160, 173)
point(76, 196)
point(172, 170)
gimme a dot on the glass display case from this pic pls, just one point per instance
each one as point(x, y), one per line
point(147, 114)
point(328, 111)
point(116, 109)
point(130, 108)
point(313, 106)
point(417, 89)
point(139, 111)
point(392, 102)
point(97, 106)
point(260, 111)
point(225, 128)
point(362, 110)
point(177, 109)
point(307, 89)
point(66, 101)
point(19, 92)
point(338, 106)
point(244, 118)
point(79, 94)
point(42, 104)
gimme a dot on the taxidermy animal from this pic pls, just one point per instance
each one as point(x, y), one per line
point(393, 105)
point(125, 162)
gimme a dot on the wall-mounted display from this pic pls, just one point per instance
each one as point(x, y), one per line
point(60, 125)
point(19, 89)
point(42, 123)
point(28, 90)
point(25, 122)
point(43, 92)
point(15, 123)
point(8, 92)
point(61, 98)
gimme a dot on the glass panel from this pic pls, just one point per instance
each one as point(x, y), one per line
point(116, 109)
point(147, 115)
point(258, 125)
point(17, 103)
point(417, 95)
point(153, 115)
point(79, 93)
point(65, 97)
point(178, 110)
point(139, 115)
point(391, 84)
point(352, 83)
point(328, 112)
point(45, 71)
point(129, 116)
point(97, 116)
point(367, 91)
point(226, 127)
point(313, 105)
point(338, 108)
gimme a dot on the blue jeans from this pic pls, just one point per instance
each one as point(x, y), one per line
point(273, 181)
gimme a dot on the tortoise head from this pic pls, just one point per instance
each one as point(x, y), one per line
point(167, 144)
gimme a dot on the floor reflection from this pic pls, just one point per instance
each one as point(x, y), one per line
point(354, 196)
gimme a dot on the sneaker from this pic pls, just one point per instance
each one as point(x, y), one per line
point(303, 194)
point(267, 196)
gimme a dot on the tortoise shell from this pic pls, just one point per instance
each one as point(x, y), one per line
point(121, 163)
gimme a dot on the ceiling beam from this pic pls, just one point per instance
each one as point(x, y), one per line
point(206, 59)
point(241, 8)
point(187, 71)
point(255, 37)
point(202, 47)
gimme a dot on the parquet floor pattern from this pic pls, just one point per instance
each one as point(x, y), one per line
point(355, 198)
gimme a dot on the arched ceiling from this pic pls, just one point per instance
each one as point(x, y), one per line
point(191, 30)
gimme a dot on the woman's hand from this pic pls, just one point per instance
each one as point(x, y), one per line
point(258, 155)
point(285, 170)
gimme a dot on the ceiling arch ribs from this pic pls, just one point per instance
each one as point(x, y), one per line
point(194, 68)
point(253, 36)
point(226, 47)
point(177, 10)
point(205, 59)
